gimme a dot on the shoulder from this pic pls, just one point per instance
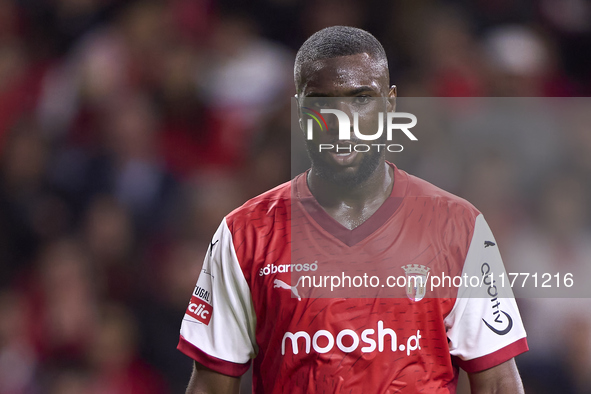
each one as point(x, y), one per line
point(263, 210)
point(446, 203)
point(451, 219)
point(260, 225)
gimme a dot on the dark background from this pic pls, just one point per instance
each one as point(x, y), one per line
point(129, 129)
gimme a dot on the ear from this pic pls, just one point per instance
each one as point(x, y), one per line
point(392, 98)
point(300, 117)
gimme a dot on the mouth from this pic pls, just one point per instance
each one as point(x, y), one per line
point(343, 155)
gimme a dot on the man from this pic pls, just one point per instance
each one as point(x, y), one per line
point(349, 210)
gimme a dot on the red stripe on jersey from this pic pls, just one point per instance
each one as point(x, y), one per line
point(493, 359)
point(222, 366)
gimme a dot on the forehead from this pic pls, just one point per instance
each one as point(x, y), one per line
point(339, 76)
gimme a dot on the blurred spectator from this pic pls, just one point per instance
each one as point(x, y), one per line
point(116, 368)
point(324, 13)
point(522, 64)
point(246, 74)
point(30, 211)
point(452, 56)
point(161, 308)
point(68, 380)
point(132, 169)
point(63, 302)
point(18, 359)
point(109, 239)
point(557, 241)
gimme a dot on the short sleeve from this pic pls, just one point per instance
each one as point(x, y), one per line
point(484, 327)
point(218, 329)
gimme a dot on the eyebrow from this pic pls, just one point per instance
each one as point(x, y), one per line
point(351, 92)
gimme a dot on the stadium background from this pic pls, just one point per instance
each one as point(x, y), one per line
point(129, 129)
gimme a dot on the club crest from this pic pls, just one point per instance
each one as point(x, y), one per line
point(416, 281)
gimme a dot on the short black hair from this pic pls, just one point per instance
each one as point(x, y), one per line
point(337, 41)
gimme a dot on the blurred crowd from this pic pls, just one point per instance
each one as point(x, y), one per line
point(128, 129)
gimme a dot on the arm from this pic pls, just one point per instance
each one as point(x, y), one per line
point(205, 381)
point(218, 328)
point(504, 378)
point(485, 330)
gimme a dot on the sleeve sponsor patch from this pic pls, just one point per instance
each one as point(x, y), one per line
point(199, 310)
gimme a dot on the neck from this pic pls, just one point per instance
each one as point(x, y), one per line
point(363, 198)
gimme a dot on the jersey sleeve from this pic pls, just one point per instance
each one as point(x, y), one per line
point(484, 327)
point(218, 329)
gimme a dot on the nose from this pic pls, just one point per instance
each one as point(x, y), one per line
point(332, 120)
point(332, 123)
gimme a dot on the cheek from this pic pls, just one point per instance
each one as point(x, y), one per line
point(370, 115)
point(370, 121)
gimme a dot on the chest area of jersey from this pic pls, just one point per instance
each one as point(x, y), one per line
point(345, 307)
point(383, 340)
point(397, 260)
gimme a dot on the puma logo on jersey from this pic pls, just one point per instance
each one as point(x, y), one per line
point(277, 283)
point(488, 243)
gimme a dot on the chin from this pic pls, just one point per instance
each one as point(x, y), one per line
point(346, 176)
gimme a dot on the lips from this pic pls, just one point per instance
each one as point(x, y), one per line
point(343, 157)
point(344, 146)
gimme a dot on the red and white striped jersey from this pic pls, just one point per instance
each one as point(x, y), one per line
point(248, 306)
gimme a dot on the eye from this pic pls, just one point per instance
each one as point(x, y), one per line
point(316, 102)
point(321, 103)
point(361, 100)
